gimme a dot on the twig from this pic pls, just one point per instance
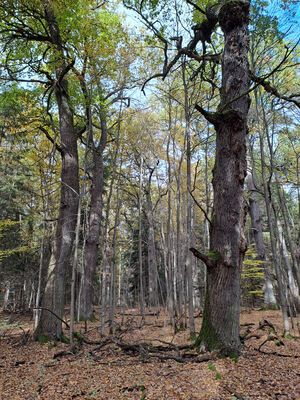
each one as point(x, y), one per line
point(53, 313)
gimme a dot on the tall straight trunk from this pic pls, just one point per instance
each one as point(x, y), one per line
point(267, 196)
point(169, 261)
point(49, 324)
point(284, 211)
point(269, 297)
point(140, 249)
point(220, 325)
point(295, 265)
point(152, 262)
point(292, 290)
point(179, 247)
point(112, 292)
point(94, 224)
point(73, 277)
point(106, 249)
point(189, 264)
point(45, 253)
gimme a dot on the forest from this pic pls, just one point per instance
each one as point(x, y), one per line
point(149, 199)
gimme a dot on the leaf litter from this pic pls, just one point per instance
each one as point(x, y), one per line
point(146, 360)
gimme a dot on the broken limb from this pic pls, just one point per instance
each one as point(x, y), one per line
point(203, 257)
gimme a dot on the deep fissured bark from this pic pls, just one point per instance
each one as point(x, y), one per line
point(220, 327)
point(94, 227)
point(54, 298)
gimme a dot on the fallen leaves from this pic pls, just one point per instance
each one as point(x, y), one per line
point(107, 371)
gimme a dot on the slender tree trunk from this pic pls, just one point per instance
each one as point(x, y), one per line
point(6, 296)
point(112, 293)
point(267, 195)
point(296, 269)
point(179, 248)
point(189, 264)
point(292, 289)
point(220, 325)
point(141, 280)
point(269, 297)
point(106, 248)
point(152, 262)
point(169, 263)
point(73, 278)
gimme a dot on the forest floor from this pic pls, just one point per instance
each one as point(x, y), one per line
point(145, 360)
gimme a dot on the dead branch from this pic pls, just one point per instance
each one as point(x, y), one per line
point(233, 392)
point(271, 89)
point(203, 257)
point(53, 313)
point(148, 350)
point(274, 353)
point(265, 323)
point(62, 354)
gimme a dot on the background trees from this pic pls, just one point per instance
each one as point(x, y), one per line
point(135, 173)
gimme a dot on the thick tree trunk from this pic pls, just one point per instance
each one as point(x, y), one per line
point(220, 326)
point(94, 226)
point(91, 245)
point(49, 324)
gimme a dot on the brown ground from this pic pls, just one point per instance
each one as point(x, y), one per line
point(30, 371)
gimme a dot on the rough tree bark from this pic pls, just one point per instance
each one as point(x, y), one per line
point(54, 298)
point(94, 225)
point(220, 326)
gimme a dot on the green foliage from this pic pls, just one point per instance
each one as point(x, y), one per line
point(78, 335)
point(252, 275)
point(214, 255)
point(211, 366)
point(192, 337)
point(43, 339)
point(142, 388)
point(198, 16)
point(234, 357)
point(93, 318)
point(218, 375)
point(64, 339)
point(6, 325)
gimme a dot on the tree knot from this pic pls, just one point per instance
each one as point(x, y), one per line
point(233, 14)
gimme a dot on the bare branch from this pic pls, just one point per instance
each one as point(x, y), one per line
point(201, 208)
point(53, 313)
point(51, 139)
point(196, 6)
point(271, 89)
point(203, 257)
